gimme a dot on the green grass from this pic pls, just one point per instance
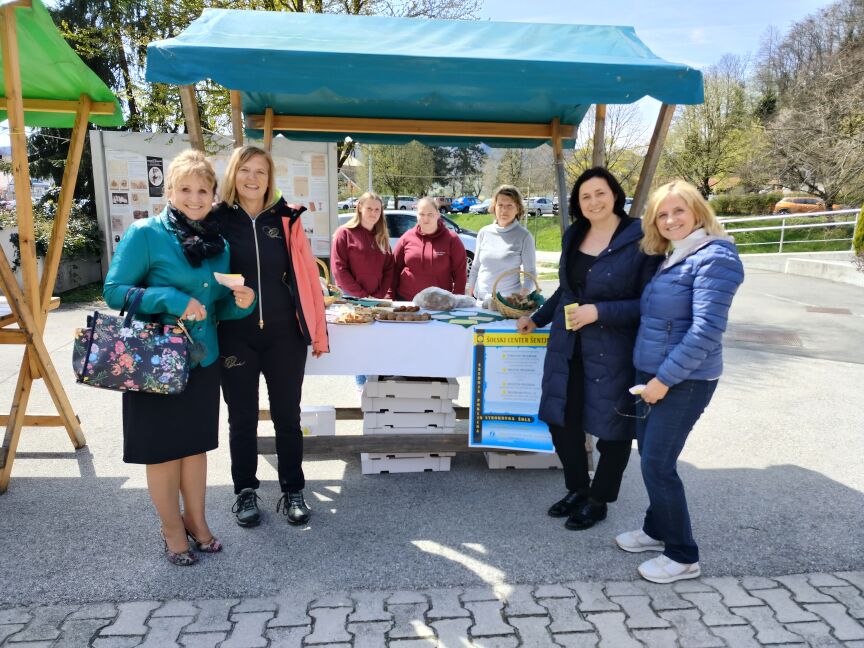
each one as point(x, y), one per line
point(86, 294)
point(545, 230)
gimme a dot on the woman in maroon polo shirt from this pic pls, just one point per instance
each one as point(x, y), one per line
point(361, 259)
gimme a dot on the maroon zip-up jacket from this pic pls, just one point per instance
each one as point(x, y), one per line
point(437, 259)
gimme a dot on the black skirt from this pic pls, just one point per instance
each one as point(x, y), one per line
point(159, 428)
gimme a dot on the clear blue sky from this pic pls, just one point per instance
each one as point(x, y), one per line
point(695, 32)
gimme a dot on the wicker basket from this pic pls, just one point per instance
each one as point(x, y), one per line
point(506, 309)
point(328, 298)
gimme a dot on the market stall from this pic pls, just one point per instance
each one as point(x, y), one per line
point(442, 82)
point(44, 83)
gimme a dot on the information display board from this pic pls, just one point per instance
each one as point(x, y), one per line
point(505, 391)
point(129, 175)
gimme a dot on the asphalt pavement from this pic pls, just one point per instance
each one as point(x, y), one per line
point(773, 475)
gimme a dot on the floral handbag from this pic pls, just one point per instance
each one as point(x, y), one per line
point(125, 354)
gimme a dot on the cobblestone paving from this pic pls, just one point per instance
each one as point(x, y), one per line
point(794, 610)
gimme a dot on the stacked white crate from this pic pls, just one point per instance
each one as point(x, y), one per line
point(398, 405)
point(522, 460)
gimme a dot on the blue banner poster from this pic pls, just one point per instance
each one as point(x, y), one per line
point(505, 391)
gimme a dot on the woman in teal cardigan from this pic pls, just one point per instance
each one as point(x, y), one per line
point(173, 257)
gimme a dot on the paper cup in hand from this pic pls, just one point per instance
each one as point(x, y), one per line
point(636, 389)
point(569, 308)
point(230, 280)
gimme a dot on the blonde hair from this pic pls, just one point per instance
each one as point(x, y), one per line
point(382, 238)
point(652, 241)
point(238, 158)
point(431, 201)
point(189, 162)
point(510, 192)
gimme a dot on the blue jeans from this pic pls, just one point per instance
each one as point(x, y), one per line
point(661, 436)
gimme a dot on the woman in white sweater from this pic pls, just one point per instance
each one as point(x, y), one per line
point(501, 246)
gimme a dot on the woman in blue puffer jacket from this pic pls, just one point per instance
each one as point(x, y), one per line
point(679, 358)
point(589, 366)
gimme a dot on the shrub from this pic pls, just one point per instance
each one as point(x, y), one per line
point(83, 238)
point(744, 204)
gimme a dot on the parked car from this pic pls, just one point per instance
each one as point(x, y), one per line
point(443, 203)
point(462, 204)
point(404, 202)
point(801, 205)
point(539, 205)
point(400, 221)
point(348, 203)
point(481, 207)
point(628, 202)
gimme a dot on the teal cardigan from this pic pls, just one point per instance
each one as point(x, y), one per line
point(150, 256)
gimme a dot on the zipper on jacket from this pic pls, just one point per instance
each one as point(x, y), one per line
point(258, 267)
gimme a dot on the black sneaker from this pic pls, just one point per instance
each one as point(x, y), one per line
point(293, 506)
point(246, 508)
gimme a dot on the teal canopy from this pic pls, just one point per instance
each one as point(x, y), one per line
point(403, 68)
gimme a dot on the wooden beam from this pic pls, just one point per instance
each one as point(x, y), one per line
point(347, 444)
point(268, 129)
point(15, 421)
point(67, 192)
point(13, 337)
point(36, 420)
point(190, 114)
point(652, 159)
point(477, 130)
point(356, 414)
point(62, 106)
point(236, 118)
point(20, 170)
point(598, 155)
point(560, 175)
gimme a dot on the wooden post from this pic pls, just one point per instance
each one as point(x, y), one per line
point(20, 171)
point(268, 129)
point(598, 155)
point(67, 192)
point(190, 114)
point(560, 174)
point(236, 118)
point(652, 159)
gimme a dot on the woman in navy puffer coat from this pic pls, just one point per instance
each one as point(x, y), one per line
point(588, 366)
point(678, 355)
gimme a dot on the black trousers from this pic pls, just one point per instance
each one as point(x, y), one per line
point(279, 352)
point(569, 443)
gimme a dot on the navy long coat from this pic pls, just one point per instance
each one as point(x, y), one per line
point(614, 284)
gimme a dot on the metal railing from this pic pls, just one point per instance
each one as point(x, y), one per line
point(826, 218)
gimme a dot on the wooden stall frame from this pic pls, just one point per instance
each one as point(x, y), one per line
point(30, 306)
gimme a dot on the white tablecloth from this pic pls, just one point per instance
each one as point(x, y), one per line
point(400, 349)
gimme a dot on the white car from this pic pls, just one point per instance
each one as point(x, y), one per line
point(539, 205)
point(348, 203)
point(481, 208)
point(405, 202)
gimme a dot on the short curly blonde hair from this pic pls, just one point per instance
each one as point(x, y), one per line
point(189, 162)
point(655, 243)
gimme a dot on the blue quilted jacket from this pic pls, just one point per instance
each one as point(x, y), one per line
point(613, 284)
point(684, 310)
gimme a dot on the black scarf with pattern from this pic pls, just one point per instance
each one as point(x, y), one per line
point(200, 239)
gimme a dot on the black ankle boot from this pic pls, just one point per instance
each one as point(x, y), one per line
point(586, 515)
point(568, 504)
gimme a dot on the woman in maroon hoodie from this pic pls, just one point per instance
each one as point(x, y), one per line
point(361, 259)
point(429, 255)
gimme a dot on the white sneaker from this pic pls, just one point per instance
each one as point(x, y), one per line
point(638, 541)
point(665, 570)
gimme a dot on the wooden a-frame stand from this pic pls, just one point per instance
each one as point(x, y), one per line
point(30, 306)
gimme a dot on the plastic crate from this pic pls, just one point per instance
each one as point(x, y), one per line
point(409, 387)
point(378, 463)
point(422, 420)
point(522, 460)
point(404, 405)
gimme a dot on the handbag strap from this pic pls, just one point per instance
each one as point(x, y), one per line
point(137, 296)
